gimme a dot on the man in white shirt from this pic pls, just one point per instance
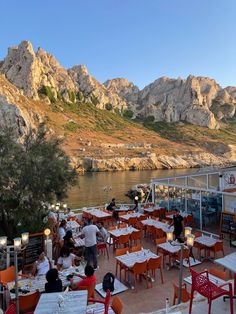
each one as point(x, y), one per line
point(89, 233)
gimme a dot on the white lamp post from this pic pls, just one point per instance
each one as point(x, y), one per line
point(19, 245)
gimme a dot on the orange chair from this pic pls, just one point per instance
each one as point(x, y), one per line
point(132, 221)
point(189, 221)
point(117, 305)
point(28, 303)
point(90, 289)
point(11, 309)
point(121, 214)
point(122, 240)
point(120, 252)
point(102, 247)
point(136, 248)
point(218, 247)
point(7, 275)
point(151, 232)
point(159, 233)
point(111, 228)
point(198, 246)
point(106, 302)
point(139, 269)
point(185, 256)
point(218, 273)
point(136, 236)
point(185, 294)
point(142, 217)
point(152, 265)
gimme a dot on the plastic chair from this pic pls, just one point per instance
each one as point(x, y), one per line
point(139, 269)
point(132, 221)
point(159, 233)
point(7, 275)
point(154, 264)
point(136, 248)
point(117, 305)
point(218, 247)
point(159, 250)
point(185, 294)
point(122, 240)
point(120, 252)
point(28, 303)
point(11, 309)
point(151, 232)
point(106, 302)
point(136, 236)
point(218, 273)
point(102, 246)
point(202, 285)
point(90, 289)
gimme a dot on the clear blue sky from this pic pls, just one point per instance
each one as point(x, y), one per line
point(137, 39)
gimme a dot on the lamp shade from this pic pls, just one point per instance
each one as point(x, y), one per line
point(25, 238)
point(169, 236)
point(3, 242)
point(187, 230)
point(52, 206)
point(57, 208)
point(136, 198)
point(64, 205)
point(190, 240)
point(47, 232)
point(17, 244)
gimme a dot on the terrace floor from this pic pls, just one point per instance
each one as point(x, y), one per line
point(148, 300)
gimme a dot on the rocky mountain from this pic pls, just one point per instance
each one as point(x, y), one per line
point(196, 100)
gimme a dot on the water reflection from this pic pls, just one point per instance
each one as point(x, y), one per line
point(90, 189)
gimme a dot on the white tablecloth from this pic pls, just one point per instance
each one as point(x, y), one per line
point(74, 302)
point(157, 224)
point(207, 241)
point(169, 248)
point(229, 262)
point(141, 256)
point(97, 213)
point(122, 231)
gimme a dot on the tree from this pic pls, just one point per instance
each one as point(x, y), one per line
point(32, 174)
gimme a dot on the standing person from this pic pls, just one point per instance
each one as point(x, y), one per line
point(69, 240)
point(89, 233)
point(178, 222)
point(103, 232)
point(62, 230)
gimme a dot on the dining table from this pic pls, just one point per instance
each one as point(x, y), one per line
point(207, 242)
point(125, 218)
point(72, 302)
point(158, 224)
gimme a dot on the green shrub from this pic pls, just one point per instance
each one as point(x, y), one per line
point(128, 114)
point(94, 100)
point(149, 119)
point(117, 111)
point(72, 96)
point(80, 96)
point(71, 126)
point(108, 106)
point(47, 91)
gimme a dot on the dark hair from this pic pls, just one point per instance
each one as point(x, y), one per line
point(64, 251)
point(40, 251)
point(68, 235)
point(89, 270)
point(63, 223)
point(113, 200)
point(89, 221)
point(52, 275)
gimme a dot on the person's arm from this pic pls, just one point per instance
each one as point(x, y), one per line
point(34, 270)
point(99, 234)
point(59, 267)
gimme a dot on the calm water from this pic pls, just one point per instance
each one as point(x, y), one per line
point(90, 188)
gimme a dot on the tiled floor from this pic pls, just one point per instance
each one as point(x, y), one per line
point(152, 299)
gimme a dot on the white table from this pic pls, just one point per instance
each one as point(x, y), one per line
point(206, 241)
point(75, 302)
point(157, 224)
point(216, 280)
point(229, 262)
point(72, 225)
point(133, 215)
point(123, 231)
point(169, 248)
point(137, 257)
point(79, 242)
point(98, 308)
point(97, 213)
point(123, 209)
point(38, 283)
point(183, 214)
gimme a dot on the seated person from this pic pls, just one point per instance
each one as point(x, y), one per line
point(66, 259)
point(53, 284)
point(87, 280)
point(112, 205)
point(42, 265)
point(68, 239)
point(103, 232)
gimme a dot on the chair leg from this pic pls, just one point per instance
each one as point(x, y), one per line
point(231, 305)
point(191, 303)
point(162, 281)
point(146, 275)
point(174, 299)
point(209, 306)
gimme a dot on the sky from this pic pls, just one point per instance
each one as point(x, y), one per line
point(140, 40)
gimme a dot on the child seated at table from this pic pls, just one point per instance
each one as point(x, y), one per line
point(88, 280)
point(53, 284)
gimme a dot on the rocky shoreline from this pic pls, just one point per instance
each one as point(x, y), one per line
point(153, 162)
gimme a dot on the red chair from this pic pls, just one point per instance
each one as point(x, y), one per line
point(106, 302)
point(11, 309)
point(103, 248)
point(202, 284)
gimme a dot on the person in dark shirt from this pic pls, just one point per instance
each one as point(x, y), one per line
point(68, 240)
point(178, 222)
point(112, 206)
point(53, 284)
point(135, 203)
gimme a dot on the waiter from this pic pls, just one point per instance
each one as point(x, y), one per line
point(178, 222)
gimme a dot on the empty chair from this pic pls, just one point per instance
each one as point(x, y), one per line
point(28, 303)
point(154, 264)
point(136, 248)
point(106, 302)
point(151, 232)
point(202, 285)
point(218, 273)
point(185, 294)
point(139, 269)
point(11, 309)
point(132, 221)
point(117, 305)
point(159, 233)
point(121, 267)
point(7, 275)
point(136, 236)
point(218, 247)
point(122, 240)
point(102, 247)
point(90, 289)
